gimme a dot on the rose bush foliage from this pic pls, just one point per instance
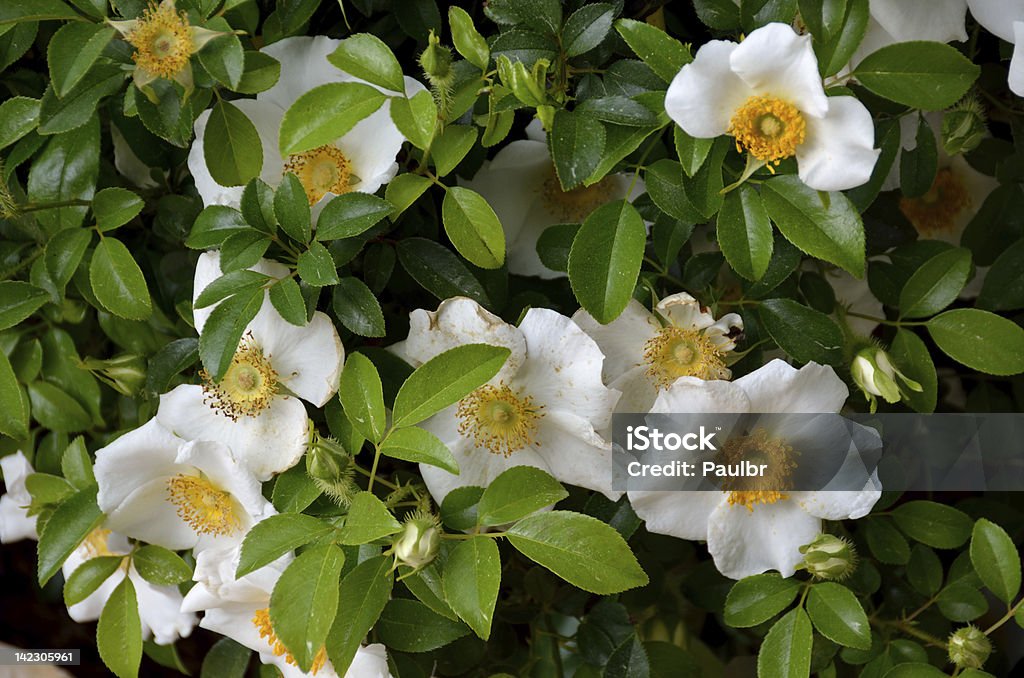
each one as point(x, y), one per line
point(314, 316)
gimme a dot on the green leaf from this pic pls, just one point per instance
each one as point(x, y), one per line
point(472, 576)
point(224, 57)
point(916, 670)
point(362, 397)
point(439, 271)
point(75, 109)
point(18, 117)
point(368, 520)
point(260, 72)
point(829, 229)
point(886, 543)
point(415, 118)
point(419, 446)
point(55, 409)
point(66, 170)
point(754, 600)
point(665, 55)
point(223, 330)
point(13, 406)
point(919, 165)
point(925, 75)
point(117, 281)
point(805, 334)
point(403, 191)
point(425, 583)
point(554, 245)
point(981, 340)
point(316, 266)
point(294, 490)
point(446, 379)
point(363, 593)
point(410, 626)
point(367, 57)
point(544, 16)
point(452, 146)
point(936, 283)
point(88, 576)
point(629, 659)
point(961, 602)
point(243, 250)
point(357, 308)
point(745, 233)
point(786, 651)
point(234, 282)
point(18, 300)
point(473, 227)
point(291, 207)
point(577, 143)
point(115, 207)
point(214, 225)
point(326, 113)
point(467, 40)
point(34, 10)
point(838, 615)
point(837, 46)
point(73, 50)
point(226, 659)
point(286, 297)
point(565, 543)
point(459, 507)
point(605, 259)
point(161, 566)
point(1003, 287)
point(516, 493)
point(70, 523)
point(619, 110)
point(231, 146)
point(305, 601)
point(934, 524)
point(351, 214)
point(64, 252)
point(912, 357)
point(586, 28)
point(995, 559)
point(692, 151)
point(270, 539)
point(924, 570)
point(119, 632)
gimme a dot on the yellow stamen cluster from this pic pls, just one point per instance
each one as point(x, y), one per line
point(323, 170)
point(769, 128)
point(575, 205)
point(758, 448)
point(248, 386)
point(163, 40)
point(205, 507)
point(498, 419)
point(261, 620)
point(936, 211)
point(95, 543)
point(677, 352)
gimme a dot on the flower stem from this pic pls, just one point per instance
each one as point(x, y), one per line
point(1007, 617)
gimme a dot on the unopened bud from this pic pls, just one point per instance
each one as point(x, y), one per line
point(829, 557)
point(968, 647)
point(874, 373)
point(436, 62)
point(417, 544)
point(329, 466)
point(963, 127)
point(125, 373)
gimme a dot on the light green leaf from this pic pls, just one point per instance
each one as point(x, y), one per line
point(363, 593)
point(362, 397)
point(270, 539)
point(115, 207)
point(13, 405)
point(419, 446)
point(995, 559)
point(70, 523)
point(754, 600)
point(415, 118)
point(446, 379)
point(73, 50)
point(305, 601)
point(786, 650)
point(605, 259)
point(325, 114)
point(665, 55)
point(368, 520)
point(410, 626)
point(516, 493)
point(119, 632)
point(838, 615)
point(981, 340)
point(935, 284)
point(472, 576)
point(366, 56)
point(223, 57)
point(18, 300)
point(88, 576)
point(473, 227)
point(692, 151)
point(565, 543)
point(452, 146)
point(925, 75)
point(467, 40)
point(403, 191)
point(351, 214)
point(231, 146)
point(214, 225)
point(577, 143)
point(161, 566)
point(745, 233)
point(18, 117)
point(117, 281)
point(357, 308)
point(316, 266)
point(260, 72)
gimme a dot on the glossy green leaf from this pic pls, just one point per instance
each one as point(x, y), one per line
point(272, 538)
point(473, 227)
point(925, 75)
point(665, 55)
point(838, 615)
point(981, 340)
point(305, 601)
point(934, 524)
point(118, 282)
point(472, 577)
point(115, 207)
point(119, 632)
point(754, 600)
point(995, 559)
point(366, 56)
point(936, 283)
point(231, 146)
point(786, 650)
point(419, 446)
point(362, 397)
point(351, 214)
point(802, 332)
point(361, 597)
point(368, 520)
point(326, 113)
point(516, 493)
point(73, 50)
point(161, 566)
point(70, 523)
point(745, 233)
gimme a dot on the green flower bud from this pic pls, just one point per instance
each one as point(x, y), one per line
point(436, 62)
point(417, 544)
point(125, 373)
point(968, 647)
point(829, 557)
point(963, 127)
point(874, 373)
point(329, 466)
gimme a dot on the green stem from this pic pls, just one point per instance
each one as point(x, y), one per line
point(37, 206)
point(1007, 617)
point(386, 483)
point(912, 630)
point(884, 321)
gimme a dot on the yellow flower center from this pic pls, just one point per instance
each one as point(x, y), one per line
point(677, 352)
point(321, 171)
point(575, 205)
point(498, 419)
point(936, 211)
point(248, 386)
point(205, 507)
point(757, 448)
point(261, 620)
point(769, 128)
point(95, 543)
point(163, 40)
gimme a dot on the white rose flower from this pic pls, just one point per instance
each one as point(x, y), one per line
point(361, 160)
point(892, 21)
point(766, 92)
point(239, 609)
point(159, 606)
point(544, 408)
point(255, 408)
point(1005, 19)
point(646, 352)
point(521, 186)
point(749, 532)
point(155, 487)
point(15, 523)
